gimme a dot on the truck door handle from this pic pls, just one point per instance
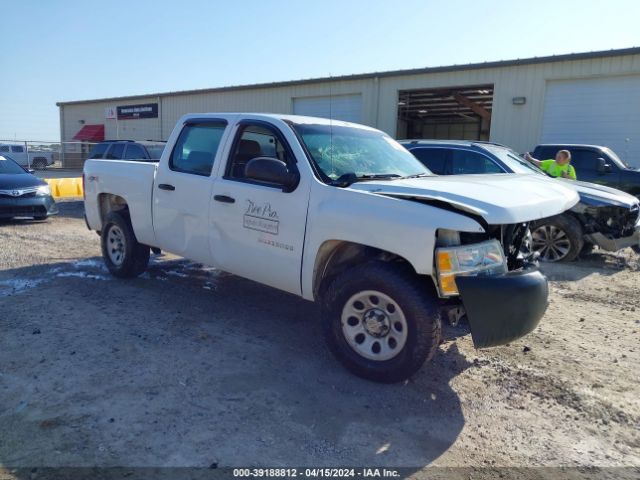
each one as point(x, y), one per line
point(224, 199)
point(166, 186)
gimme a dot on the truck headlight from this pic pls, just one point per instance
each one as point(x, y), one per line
point(43, 190)
point(486, 258)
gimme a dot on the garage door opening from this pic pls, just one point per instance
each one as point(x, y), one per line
point(336, 107)
point(462, 113)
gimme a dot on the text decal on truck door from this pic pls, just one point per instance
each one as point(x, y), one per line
point(262, 218)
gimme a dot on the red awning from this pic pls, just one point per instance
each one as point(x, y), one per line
point(91, 133)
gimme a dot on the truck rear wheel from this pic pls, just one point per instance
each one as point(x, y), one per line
point(122, 254)
point(39, 163)
point(558, 238)
point(381, 321)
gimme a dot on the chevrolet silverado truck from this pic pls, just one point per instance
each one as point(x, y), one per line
point(339, 214)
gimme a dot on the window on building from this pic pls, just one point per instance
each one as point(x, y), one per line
point(196, 148)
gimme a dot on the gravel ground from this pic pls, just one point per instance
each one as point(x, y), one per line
point(188, 366)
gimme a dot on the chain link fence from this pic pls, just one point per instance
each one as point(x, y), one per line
point(60, 158)
point(42, 156)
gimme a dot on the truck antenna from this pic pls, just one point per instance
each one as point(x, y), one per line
point(331, 122)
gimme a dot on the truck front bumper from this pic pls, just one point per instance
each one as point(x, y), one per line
point(615, 244)
point(505, 307)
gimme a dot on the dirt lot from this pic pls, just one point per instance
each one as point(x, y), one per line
point(188, 366)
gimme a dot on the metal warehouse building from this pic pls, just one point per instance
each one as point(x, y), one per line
point(577, 98)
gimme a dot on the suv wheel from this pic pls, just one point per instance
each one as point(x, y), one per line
point(381, 321)
point(557, 239)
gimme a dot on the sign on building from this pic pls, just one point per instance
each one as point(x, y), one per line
point(132, 112)
point(110, 113)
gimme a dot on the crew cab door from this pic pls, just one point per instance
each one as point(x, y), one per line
point(258, 228)
point(182, 190)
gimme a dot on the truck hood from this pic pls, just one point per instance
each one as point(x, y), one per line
point(498, 198)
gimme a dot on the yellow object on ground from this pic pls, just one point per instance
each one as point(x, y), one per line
point(65, 187)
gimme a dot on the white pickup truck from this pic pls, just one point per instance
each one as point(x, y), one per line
point(33, 158)
point(340, 214)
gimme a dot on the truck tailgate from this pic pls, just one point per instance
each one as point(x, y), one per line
point(133, 181)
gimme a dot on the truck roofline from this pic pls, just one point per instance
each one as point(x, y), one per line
point(298, 119)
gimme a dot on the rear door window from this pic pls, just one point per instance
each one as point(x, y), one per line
point(134, 152)
point(585, 160)
point(115, 152)
point(435, 159)
point(196, 148)
point(17, 149)
point(545, 153)
point(155, 151)
point(470, 162)
point(99, 150)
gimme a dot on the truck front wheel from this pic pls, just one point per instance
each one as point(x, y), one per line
point(122, 254)
point(381, 321)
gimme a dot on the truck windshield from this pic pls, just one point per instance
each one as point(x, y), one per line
point(340, 151)
point(614, 156)
point(9, 166)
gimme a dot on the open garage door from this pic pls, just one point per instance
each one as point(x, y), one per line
point(446, 113)
point(598, 111)
point(336, 107)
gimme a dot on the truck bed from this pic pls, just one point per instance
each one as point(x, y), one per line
point(129, 179)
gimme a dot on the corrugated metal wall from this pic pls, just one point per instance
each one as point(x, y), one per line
point(72, 117)
point(519, 126)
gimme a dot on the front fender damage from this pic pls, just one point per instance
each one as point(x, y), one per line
point(503, 308)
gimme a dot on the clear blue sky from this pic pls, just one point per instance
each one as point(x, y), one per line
point(70, 50)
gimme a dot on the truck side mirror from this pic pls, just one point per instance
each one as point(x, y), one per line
point(603, 167)
point(271, 170)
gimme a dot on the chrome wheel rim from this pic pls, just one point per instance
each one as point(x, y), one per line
point(374, 325)
point(552, 243)
point(115, 245)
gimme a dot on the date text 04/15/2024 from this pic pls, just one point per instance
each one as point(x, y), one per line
point(315, 473)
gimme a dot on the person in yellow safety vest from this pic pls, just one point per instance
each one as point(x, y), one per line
point(560, 167)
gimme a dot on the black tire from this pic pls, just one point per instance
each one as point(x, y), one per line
point(414, 301)
point(40, 218)
point(134, 256)
point(39, 163)
point(572, 233)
